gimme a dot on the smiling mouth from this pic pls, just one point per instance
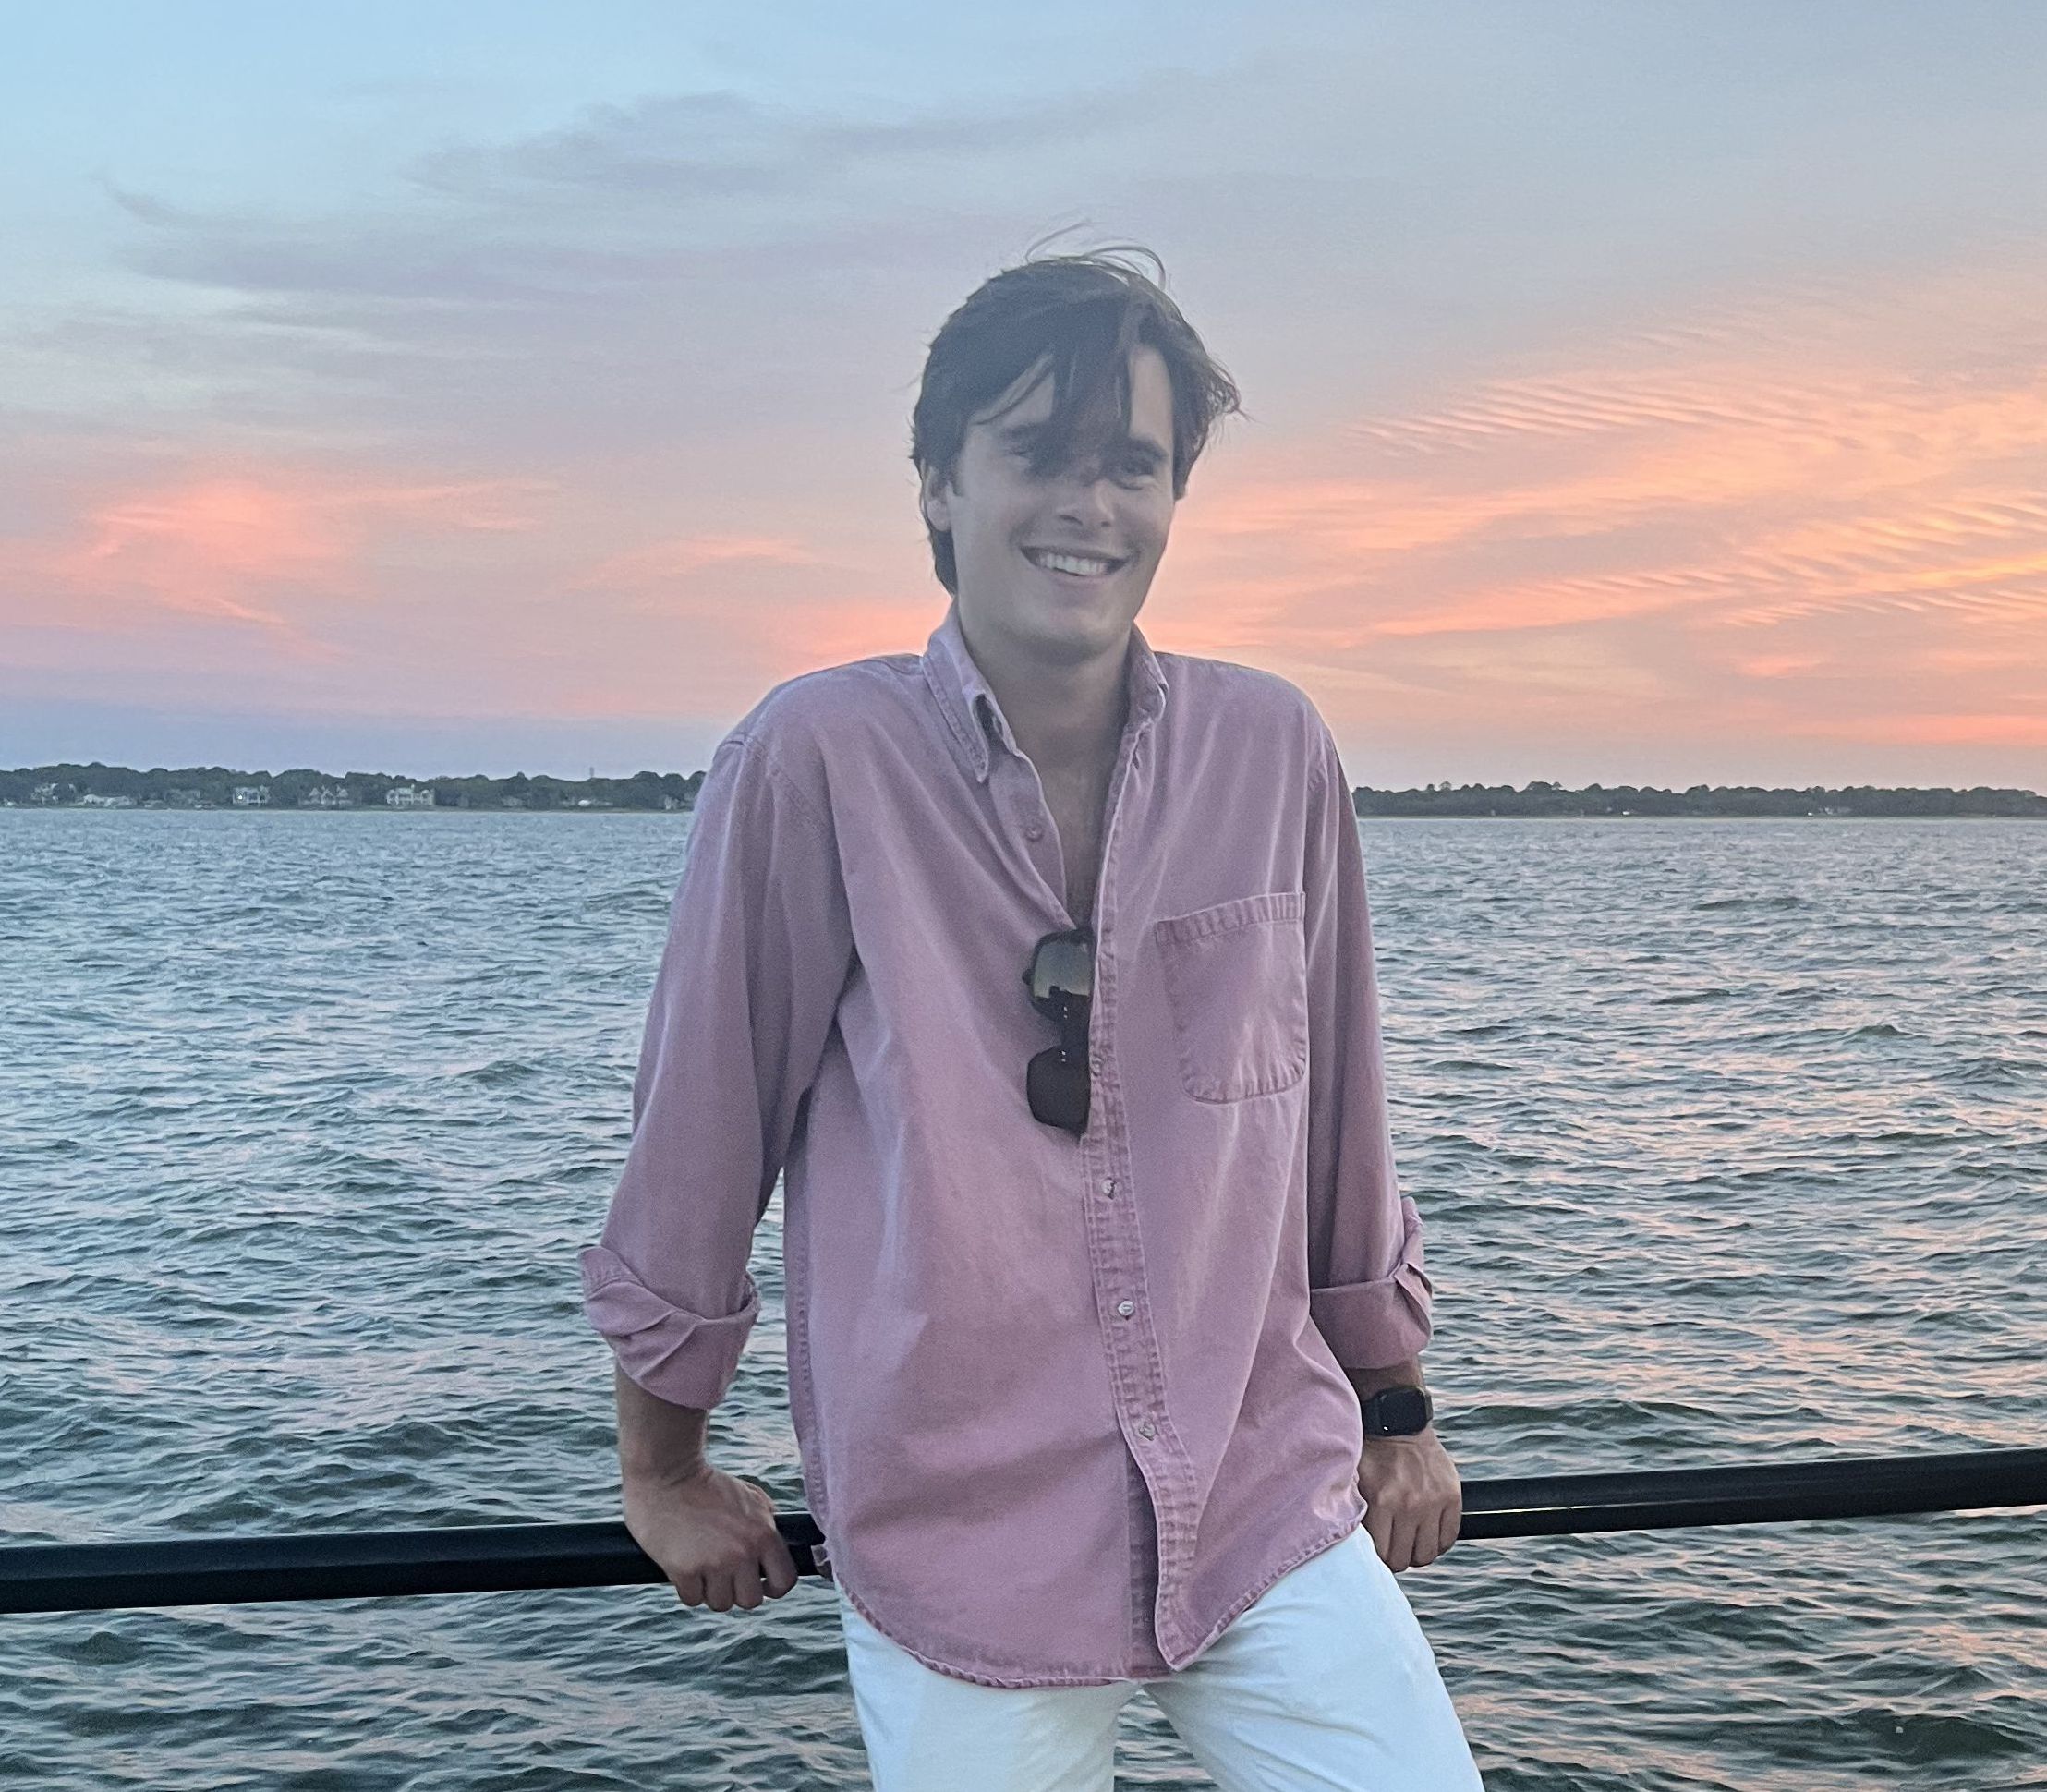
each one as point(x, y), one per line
point(1077, 569)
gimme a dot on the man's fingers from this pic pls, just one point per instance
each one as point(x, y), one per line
point(774, 1568)
point(778, 1569)
point(769, 1575)
point(1435, 1533)
point(742, 1589)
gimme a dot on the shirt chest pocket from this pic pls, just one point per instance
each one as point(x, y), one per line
point(1237, 981)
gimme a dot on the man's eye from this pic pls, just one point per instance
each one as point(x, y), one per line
point(1134, 470)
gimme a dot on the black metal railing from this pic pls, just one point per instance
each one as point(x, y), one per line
point(512, 1557)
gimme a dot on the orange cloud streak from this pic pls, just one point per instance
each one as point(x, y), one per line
point(235, 547)
point(1803, 472)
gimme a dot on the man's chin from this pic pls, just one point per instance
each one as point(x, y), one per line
point(1073, 630)
point(1077, 637)
point(1077, 612)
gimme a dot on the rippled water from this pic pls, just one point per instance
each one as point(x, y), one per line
point(1731, 1138)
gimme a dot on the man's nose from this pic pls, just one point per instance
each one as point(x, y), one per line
point(1086, 496)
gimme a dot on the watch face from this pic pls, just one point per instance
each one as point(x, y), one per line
point(1398, 1411)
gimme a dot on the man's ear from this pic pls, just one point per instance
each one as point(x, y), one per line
point(932, 498)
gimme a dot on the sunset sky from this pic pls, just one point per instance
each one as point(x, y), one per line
point(1638, 394)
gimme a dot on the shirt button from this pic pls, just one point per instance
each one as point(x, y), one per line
point(1094, 1064)
point(1144, 1430)
point(1108, 1185)
point(1126, 1308)
point(1034, 832)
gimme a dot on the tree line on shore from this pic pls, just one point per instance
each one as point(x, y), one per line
point(216, 787)
point(1542, 798)
point(222, 787)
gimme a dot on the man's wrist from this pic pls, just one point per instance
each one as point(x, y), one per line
point(1407, 1373)
point(1398, 1412)
point(658, 1440)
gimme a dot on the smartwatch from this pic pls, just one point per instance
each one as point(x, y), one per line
point(1398, 1411)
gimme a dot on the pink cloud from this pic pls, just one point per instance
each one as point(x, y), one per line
point(236, 546)
point(1769, 511)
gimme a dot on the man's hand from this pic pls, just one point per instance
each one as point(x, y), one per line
point(713, 1535)
point(1414, 1499)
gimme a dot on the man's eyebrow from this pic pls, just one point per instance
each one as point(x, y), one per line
point(1143, 447)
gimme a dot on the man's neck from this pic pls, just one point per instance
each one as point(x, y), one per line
point(1068, 720)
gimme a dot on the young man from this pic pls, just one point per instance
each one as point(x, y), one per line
point(1041, 964)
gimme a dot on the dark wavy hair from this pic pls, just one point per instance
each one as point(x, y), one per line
point(1086, 313)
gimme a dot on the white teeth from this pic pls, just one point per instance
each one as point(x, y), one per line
point(1070, 563)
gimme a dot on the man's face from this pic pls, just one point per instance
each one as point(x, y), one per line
point(1117, 502)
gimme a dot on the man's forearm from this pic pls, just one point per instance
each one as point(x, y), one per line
point(656, 1437)
point(1407, 1373)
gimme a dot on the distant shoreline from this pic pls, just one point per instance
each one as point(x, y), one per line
point(98, 786)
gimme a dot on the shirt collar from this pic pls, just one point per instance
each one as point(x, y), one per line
point(974, 716)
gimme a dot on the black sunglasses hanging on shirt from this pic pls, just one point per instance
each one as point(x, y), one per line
point(1062, 981)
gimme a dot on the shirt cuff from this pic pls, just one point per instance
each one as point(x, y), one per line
point(678, 1356)
point(1372, 1324)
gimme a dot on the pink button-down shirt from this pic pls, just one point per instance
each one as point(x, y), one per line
point(1066, 1405)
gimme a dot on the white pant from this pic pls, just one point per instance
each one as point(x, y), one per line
point(1325, 1683)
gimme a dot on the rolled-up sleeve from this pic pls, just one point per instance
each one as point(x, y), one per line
point(1368, 1293)
point(757, 951)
